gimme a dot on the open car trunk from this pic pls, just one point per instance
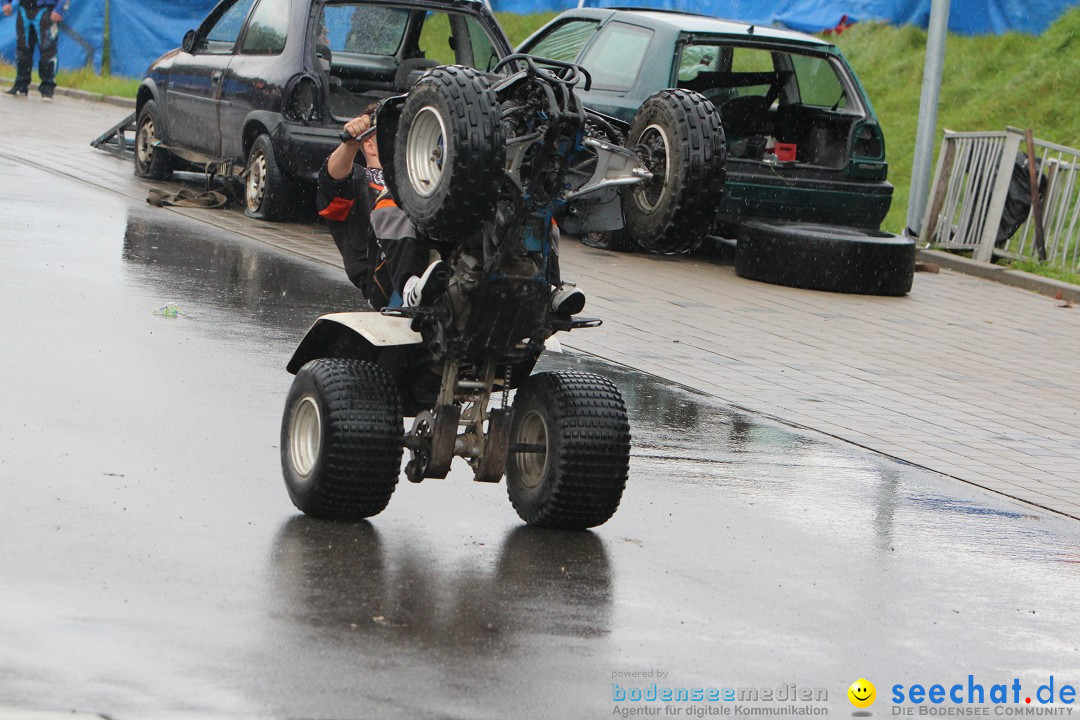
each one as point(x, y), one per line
point(778, 108)
point(370, 52)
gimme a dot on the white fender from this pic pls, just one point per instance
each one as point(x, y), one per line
point(358, 334)
point(378, 329)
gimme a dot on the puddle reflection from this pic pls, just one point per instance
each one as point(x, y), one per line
point(352, 579)
point(195, 266)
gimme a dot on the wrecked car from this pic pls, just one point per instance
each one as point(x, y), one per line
point(803, 142)
point(260, 90)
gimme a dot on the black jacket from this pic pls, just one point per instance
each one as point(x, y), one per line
point(346, 207)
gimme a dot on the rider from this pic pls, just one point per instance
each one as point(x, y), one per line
point(367, 224)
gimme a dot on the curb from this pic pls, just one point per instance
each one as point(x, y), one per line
point(1014, 278)
point(86, 95)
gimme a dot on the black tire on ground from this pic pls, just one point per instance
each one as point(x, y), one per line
point(268, 194)
point(580, 419)
point(678, 134)
point(341, 439)
point(450, 154)
point(616, 241)
point(150, 162)
point(825, 257)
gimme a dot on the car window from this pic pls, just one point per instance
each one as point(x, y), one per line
point(268, 28)
point(363, 29)
point(697, 59)
point(435, 37)
point(449, 39)
point(616, 56)
point(749, 63)
point(485, 56)
point(724, 72)
point(565, 41)
point(221, 38)
point(819, 84)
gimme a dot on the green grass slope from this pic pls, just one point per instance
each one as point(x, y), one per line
point(989, 82)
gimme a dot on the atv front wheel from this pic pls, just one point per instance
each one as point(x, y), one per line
point(451, 153)
point(341, 439)
point(570, 450)
point(678, 135)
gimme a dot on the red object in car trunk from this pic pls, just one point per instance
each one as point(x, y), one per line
point(785, 152)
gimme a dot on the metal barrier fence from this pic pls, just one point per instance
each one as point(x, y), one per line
point(971, 192)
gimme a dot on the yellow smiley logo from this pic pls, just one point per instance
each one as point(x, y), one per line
point(862, 693)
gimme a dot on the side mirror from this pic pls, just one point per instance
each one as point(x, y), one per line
point(189, 41)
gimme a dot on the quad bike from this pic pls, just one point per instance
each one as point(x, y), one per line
point(488, 164)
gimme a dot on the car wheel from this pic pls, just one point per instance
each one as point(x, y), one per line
point(341, 439)
point(268, 194)
point(151, 161)
point(570, 450)
point(677, 133)
point(450, 159)
point(825, 257)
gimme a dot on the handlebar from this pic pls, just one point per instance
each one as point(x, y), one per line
point(347, 136)
point(567, 73)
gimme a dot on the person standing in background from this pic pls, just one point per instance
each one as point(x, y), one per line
point(37, 23)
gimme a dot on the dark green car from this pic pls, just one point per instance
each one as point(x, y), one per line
point(803, 141)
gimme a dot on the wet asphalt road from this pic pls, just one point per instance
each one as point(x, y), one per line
point(151, 563)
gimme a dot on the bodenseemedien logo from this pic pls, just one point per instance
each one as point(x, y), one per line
point(862, 693)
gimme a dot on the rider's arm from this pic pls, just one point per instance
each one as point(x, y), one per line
point(340, 164)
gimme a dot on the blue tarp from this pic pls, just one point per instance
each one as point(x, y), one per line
point(967, 17)
point(86, 18)
point(141, 30)
point(752, 11)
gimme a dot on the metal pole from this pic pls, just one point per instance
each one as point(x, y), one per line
point(928, 105)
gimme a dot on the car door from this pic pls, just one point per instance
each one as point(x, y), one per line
point(250, 80)
point(193, 92)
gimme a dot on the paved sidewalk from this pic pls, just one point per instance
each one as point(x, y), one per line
point(964, 376)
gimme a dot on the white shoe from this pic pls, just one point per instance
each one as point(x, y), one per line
point(427, 288)
point(567, 300)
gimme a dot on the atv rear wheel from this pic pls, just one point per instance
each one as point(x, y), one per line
point(570, 450)
point(450, 159)
point(678, 135)
point(341, 439)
